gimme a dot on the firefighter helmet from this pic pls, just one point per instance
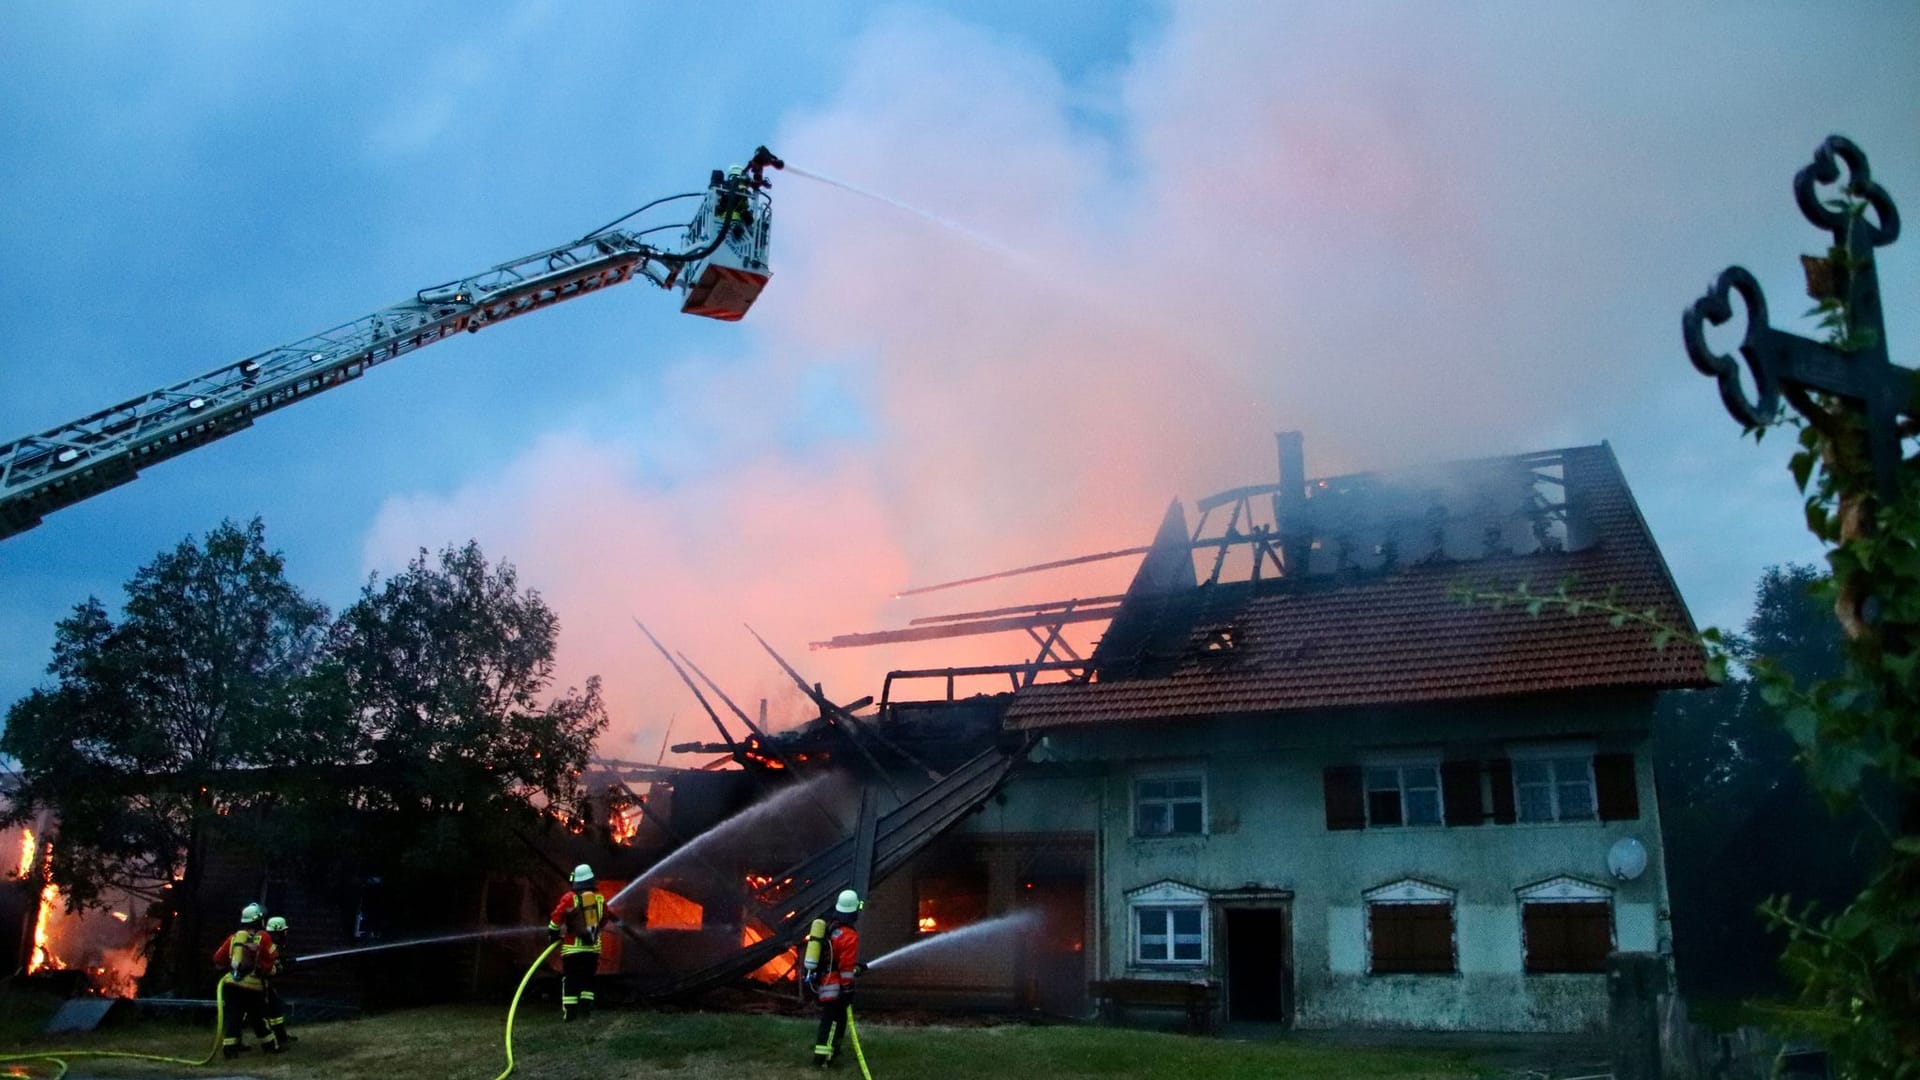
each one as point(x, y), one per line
point(252, 913)
point(582, 875)
point(277, 925)
point(848, 903)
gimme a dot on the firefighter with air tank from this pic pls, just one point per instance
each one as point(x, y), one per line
point(575, 924)
point(247, 955)
point(281, 960)
point(831, 963)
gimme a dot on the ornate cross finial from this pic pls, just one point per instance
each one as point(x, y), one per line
point(1854, 365)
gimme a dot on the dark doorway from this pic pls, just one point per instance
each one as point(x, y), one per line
point(1055, 976)
point(1259, 965)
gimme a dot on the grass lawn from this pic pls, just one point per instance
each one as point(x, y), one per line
point(464, 1042)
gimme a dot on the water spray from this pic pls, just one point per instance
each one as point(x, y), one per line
point(1049, 274)
point(755, 817)
point(998, 247)
point(444, 939)
point(1017, 922)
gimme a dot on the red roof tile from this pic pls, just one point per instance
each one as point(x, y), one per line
point(1394, 637)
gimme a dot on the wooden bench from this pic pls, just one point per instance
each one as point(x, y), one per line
point(1197, 997)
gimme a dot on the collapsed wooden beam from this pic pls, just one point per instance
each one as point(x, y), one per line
point(967, 629)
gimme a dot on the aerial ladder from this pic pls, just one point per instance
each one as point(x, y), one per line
point(720, 267)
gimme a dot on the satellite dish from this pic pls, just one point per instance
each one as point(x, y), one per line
point(1627, 859)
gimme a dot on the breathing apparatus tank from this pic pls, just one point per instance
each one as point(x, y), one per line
point(816, 944)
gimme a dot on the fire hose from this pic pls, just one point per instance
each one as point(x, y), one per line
point(58, 1057)
point(853, 1032)
point(515, 1007)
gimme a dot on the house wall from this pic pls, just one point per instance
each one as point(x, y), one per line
point(1267, 836)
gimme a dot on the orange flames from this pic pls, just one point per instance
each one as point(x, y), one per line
point(105, 944)
point(929, 924)
point(42, 958)
point(671, 911)
point(778, 969)
point(624, 823)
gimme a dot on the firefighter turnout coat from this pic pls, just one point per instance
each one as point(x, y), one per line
point(836, 972)
point(579, 917)
point(248, 956)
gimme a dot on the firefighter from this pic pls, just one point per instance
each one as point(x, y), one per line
point(245, 954)
point(731, 204)
point(576, 923)
point(278, 930)
point(831, 979)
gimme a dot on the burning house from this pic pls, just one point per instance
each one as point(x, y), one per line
point(1295, 780)
point(1299, 780)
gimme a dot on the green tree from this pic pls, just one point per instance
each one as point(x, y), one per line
point(1740, 820)
point(449, 671)
point(154, 723)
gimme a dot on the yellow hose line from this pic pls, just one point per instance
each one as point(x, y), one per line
point(858, 1054)
point(58, 1057)
point(515, 1007)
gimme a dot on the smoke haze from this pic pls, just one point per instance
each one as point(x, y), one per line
point(1414, 233)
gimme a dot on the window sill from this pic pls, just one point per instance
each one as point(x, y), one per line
point(1156, 837)
point(1413, 974)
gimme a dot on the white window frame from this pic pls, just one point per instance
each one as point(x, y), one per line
point(1169, 897)
point(1400, 763)
point(1409, 891)
point(1161, 775)
point(1553, 755)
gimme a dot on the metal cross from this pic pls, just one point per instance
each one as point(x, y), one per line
point(1780, 364)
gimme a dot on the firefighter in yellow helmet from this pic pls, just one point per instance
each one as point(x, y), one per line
point(245, 954)
point(576, 923)
point(276, 1009)
point(830, 971)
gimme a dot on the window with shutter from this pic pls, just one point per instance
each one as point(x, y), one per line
point(1460, 789)
point(1410, 939)
point(1403, 795)
point(1500, 784)
point(1615, 788)
point(1566, 936)
point(1552, 786)
point(1346, 797)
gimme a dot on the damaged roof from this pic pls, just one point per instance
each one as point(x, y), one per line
point(1342, 632)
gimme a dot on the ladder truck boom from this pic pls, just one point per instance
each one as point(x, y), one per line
point(721, 266)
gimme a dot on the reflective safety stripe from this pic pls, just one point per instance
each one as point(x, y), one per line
point(570, 950)
point(566, 999)
point(586, 995)
point(234, 1041)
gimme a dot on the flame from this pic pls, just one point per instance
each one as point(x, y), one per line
point(778, 969)
point(671, 911)
point(929, 924)
point(42, 958)
point(624, 823)
point(27, 847)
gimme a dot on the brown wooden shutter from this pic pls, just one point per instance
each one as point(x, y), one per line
point(1460, 789)
point(1614, 787)
point(1346, 803)
point(1500, 779)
